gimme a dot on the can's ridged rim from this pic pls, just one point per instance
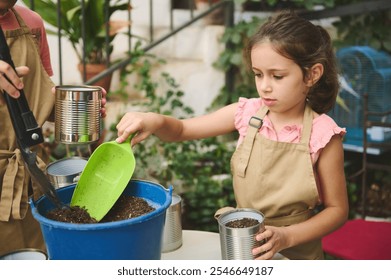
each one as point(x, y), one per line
point(59, 167)
point(176, 199)
point(239, 213)
point(78, 88)
point(26, 250)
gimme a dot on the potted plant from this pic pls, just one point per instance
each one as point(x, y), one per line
point(214, 18)
point(94, 44)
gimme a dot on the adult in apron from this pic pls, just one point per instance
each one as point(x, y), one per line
point(18, 229)
point(277, 178)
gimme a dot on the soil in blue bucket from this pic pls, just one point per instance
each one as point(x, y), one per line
point(137, 238)
point(126, 207)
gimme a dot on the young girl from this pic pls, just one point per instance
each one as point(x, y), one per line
point(289, 157)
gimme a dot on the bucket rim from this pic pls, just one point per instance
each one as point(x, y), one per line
point(101, 226)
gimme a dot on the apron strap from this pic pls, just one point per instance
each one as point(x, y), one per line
point(20, 20)
point(22, 30)
point(254, 125)
point(307, 125)
point(15, 186)
point(14, 193)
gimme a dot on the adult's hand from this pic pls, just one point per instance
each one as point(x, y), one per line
point(103, 103)
point(9, 79)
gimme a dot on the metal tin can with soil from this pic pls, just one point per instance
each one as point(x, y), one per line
point(237, 242)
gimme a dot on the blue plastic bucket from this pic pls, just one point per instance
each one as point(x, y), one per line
point(138, 238)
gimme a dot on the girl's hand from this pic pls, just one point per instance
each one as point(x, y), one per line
point(276, 241)
point(9, 79)
point(143, 124)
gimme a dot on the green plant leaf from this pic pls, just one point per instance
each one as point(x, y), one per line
point(71, 24)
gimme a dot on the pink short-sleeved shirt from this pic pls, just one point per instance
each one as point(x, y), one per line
point(323, 127)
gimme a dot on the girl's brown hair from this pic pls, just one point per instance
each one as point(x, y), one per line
point(306, 44)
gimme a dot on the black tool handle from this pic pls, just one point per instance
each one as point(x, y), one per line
point(23, 120)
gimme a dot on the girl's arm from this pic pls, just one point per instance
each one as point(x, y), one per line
point(330, 169)
point(170, 129)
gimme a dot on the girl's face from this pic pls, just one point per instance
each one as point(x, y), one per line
point(279, 80)
point(5, 5)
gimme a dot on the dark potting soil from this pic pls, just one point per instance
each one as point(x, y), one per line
point(126, 207)
point(73, 214)
point(242, 223)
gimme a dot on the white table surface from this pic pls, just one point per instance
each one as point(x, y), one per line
point(200, 245)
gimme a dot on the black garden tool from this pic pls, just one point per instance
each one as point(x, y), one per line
point(27, 131)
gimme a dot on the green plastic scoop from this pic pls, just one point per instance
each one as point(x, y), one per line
point(104, 178)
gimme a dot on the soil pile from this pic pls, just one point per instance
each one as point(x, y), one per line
point(126, 207)
point(242, 223)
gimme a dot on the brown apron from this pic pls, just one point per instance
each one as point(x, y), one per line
point(18, 229)
point(277, 178)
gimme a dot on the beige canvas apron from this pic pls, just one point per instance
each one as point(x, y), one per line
point(277, 178)
point(18, 229)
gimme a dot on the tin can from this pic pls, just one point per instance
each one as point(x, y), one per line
point(172, 233)
point(77, 114)
point(237, 243)
point(65, 172)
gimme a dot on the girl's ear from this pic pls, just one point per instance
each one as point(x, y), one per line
point(314, 74)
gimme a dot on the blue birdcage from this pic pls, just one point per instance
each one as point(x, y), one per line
point(364, 70)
